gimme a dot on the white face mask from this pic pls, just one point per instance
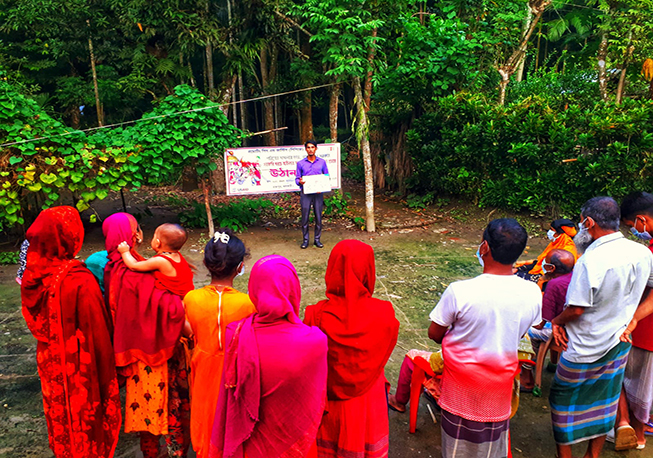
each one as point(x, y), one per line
point(544, 264)
point(242, 271)
point(551, 234)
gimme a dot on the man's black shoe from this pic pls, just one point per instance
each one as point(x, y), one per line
point(304, 245)
point(319, 244)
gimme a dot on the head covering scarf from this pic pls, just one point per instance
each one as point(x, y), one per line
point(55, 237)
point(64, 310)
point(564, 226)
point(271, 352)
point(148, 320)
point(565, 231)
point(362, 331)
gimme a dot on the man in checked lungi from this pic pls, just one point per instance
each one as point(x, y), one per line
point(604, 293)
point(479, 323)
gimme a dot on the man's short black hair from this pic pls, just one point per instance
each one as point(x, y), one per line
point(506, 239)
point(604, 211)
point(310, 142)
point(637, 203)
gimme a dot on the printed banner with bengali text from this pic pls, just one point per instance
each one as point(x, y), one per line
point(262, 170)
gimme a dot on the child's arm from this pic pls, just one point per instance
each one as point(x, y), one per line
point(149, 265)
point(188, 330)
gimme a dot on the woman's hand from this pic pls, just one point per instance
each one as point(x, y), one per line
point(123, 247)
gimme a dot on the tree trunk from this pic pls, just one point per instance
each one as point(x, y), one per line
point(74, 116)
point(650, 90)
point(364, 142)
point(242, 106)
point(371, 52)
point(207, 205)
point(306, 114)
point(210, 79)
point(624, 69)
point(503, 84)
point(333, 112)
point(98, 105)
point(226, 96)
point(522, 62)
point(234, 105)
point(268, 106)
point(506, 70)
point(190, 71)
point(601, 61)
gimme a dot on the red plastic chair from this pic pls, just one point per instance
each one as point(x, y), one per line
point(421, 370)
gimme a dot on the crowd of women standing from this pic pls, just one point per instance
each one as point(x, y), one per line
point(238, 374)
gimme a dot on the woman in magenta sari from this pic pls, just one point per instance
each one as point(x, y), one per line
point(148, 324)
point(273, 390)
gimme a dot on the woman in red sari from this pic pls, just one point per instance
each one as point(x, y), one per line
point(64, 310)
point(148, 324)
point(362, 333)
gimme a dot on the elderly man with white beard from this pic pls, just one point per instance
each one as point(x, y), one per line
point(604, 293)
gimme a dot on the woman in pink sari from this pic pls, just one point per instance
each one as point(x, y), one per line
point(273, 390)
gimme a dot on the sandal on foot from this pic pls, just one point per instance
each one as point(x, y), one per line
point(394, 405)
point(625, 438)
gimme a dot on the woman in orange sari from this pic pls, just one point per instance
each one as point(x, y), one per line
point(362, 333)
point(64, 310)
point(209, 310)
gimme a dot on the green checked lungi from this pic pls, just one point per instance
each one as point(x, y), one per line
point(584, 396)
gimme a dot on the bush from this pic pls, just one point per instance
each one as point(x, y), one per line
point(527, 156)
point(9, 257)
point(236, 215)
point(335, 203)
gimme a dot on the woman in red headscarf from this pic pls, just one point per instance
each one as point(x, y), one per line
point(362, 333)
point(64, 310)
point(148, 324)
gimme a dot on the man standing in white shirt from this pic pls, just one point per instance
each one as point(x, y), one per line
point(604, 293)
point(479, 323)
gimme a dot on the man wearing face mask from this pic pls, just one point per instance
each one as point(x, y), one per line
point(557, 268)
point(561, 235)
point(480, 322)
point(604, 293)
point(637, 398)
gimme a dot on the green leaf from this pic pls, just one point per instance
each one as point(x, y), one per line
point(15, 160)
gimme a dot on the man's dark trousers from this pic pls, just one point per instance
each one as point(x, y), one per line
point(317, 201)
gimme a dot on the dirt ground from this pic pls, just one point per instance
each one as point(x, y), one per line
point(414, 266)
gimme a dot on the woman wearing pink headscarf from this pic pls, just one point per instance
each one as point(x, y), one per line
point(147, 325)
point(273, 390)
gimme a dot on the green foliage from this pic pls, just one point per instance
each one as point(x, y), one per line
point(36, 175)
point(236, 215)
point(163, 146)
point(417, 202)
point(9, 257)
point(335, 203)
point(527, 156)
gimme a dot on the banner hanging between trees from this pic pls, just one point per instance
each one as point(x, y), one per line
point(272, 169)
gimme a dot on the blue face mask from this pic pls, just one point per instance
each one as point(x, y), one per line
point(479, 257)
point(641, 235)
